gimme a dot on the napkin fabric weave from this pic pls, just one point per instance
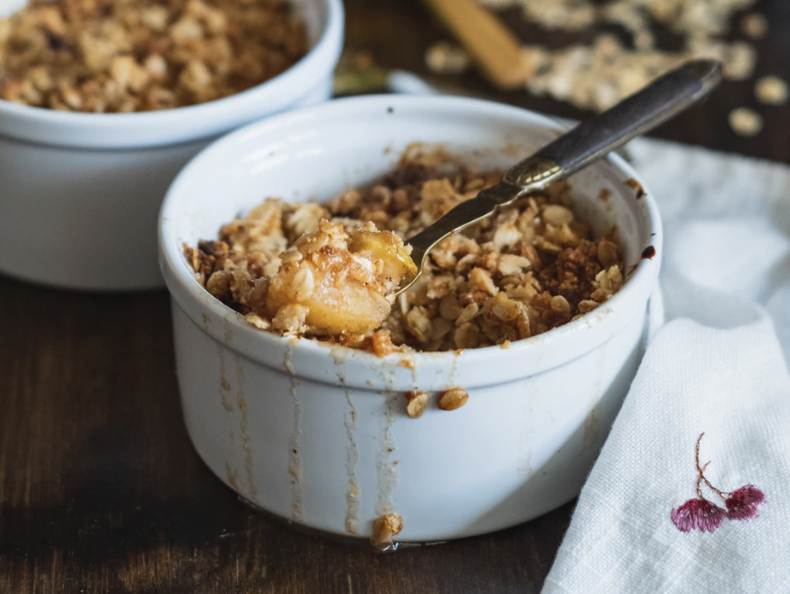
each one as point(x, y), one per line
point(718, 366)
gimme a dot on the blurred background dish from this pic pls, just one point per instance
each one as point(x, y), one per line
point(80, 192)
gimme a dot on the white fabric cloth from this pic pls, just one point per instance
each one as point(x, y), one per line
point(9, 7)
point(715, 367)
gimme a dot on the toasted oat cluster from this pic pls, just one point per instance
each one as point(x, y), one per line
point(527, 269)
point(111, 56)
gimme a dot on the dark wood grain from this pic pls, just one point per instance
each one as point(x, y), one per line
point(100, 490)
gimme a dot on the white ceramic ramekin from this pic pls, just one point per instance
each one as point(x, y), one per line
point(319, 434)
point(80, 193)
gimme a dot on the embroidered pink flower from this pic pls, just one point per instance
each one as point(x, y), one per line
point(698, 514)
point(701, 514)
point(742, 503)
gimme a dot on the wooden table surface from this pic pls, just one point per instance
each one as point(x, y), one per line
point(100, 490)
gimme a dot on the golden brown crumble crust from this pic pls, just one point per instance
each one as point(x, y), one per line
point(140, 55)
point(527, 269)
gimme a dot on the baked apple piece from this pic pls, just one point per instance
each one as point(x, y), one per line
point(343, 280)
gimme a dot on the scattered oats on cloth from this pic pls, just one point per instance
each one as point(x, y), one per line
point(718, 366)
point(771, 90)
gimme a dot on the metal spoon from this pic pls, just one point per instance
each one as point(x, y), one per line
point(660, 101)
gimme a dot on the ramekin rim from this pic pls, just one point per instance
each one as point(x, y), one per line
point(646, 272)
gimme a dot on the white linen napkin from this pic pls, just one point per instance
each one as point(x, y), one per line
point(715, 367)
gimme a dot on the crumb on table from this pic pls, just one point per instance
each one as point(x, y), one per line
point(771, 90)
point(754, 25)
point(745, 121)
point(385, 527)
point(454, 398)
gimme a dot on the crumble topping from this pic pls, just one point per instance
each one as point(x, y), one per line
point(318, 271)
point(384, 528)
point(142, 55)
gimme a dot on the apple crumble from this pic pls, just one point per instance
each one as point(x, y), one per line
point(319, 271)
point(141, 55)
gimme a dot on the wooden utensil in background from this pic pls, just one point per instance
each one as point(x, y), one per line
point(495, 50)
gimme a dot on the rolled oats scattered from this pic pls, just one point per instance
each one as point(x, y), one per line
point(416, 403)
point(587, 306)
point(385, 527)
point(512, 264)
point(380, 343)
point(453, 399)
point(419, 323)
point(607, 283)
point(745, 121)
point(549, 247)
point(771, 90)
point(608, 253)
point(291, 256)
point(258, 322)
point(467, 336)
point(739, 60)
point(446, 58)
point(504, 308)
point(480, 280)
point(754, 25)
point(596, 76)
point(560, 305)
point(557, 215)
point(290, 318)
point(141, 55)
point(467, 314)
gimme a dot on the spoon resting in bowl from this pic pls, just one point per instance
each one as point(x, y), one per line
point(591, 140)
point(345, 281)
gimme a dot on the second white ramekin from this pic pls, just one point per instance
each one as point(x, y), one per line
point(79, 193)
